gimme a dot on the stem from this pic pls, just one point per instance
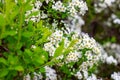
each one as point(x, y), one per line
point(2, 32)
point(48, 63)
point(20, 26)
point(4, 12)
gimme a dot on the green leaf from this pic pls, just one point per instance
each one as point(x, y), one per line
point(59, 50)
point(19, 68)
point(113, 39)
point(2, 20)
point(33, 14)
point(37, 60)
point(73, 42)
point(27, 34)
point(2, 60)
point(40, 56)
point(42, 70)
point(9, 33)
point(3, 72)
point(42, 0)
point(13, 60)
point(66, 1)
point(28, 52)
point(28, 7)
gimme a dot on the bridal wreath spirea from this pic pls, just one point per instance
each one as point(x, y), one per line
point(45, 9)
point(78, 52)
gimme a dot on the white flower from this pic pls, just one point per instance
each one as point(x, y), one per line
point(92, 77)
point(73, 11)
point(38, 4)
point(47, 1)
point(50, 48)
point(116, 21)
point(59, 6)
point(83, 7)
point(83, 66)
point(85, 73)
point(116, 76)
point(79, 75)
point(73, 57)
point(40, 76)
point(43, 15)
point(27, 77)
point(76, 23)
point(33, 46)
point(109, 2)
point(50, 73)
point(111, 60)
point(76, 2)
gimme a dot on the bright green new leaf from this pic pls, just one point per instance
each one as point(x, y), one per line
point(27, 34)
point(2, 20)
point(59, 50)
point(19, 68)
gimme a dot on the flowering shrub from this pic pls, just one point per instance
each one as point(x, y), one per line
point(61, 14)
point(74, 53)
point(70, 54)
point(42, 39)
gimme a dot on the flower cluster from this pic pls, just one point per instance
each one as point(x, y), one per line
point(93, 77)
point(81, 48)
point(115, 19)
point(59, 6)
point(55, 38)
point(116, 76)
point(73, 57)
point(71, 7)
point(106, 57)
point(72, 10)
point(50, 73)
point(103, 4)
point(113, 50)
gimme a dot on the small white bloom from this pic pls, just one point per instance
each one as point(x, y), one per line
point(73, 57)
point(79, 75)
point(50, 73)
point(85, 73)
point(92, 77)
point(109, 2)
point(116, 76)
point(116, 21)
point(27, 77)
point(111, 60)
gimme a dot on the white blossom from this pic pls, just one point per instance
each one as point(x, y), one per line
point(79, 75)
point(50, 73)
point(27, 77)
point(73, 57)
point(116, 76)
point(59, 6)
point(111, 60)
